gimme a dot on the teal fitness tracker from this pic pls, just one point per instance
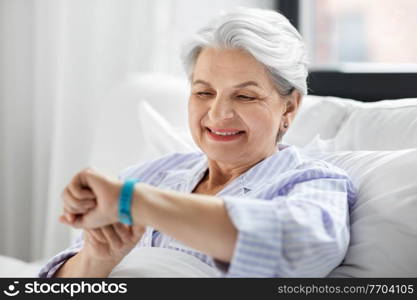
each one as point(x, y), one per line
point(125, 201)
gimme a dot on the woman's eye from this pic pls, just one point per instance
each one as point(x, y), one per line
point(204, 94)
point(247, 98)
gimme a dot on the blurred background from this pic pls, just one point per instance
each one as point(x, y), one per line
point(60, 58)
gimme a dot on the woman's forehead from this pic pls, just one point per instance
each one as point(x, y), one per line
point(227, 59)
point(235, 66)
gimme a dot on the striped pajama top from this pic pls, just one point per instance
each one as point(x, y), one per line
point(291, 212)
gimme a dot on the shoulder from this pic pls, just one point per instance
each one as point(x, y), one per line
point(305, 162)
point(149, 171)
point(308, 168)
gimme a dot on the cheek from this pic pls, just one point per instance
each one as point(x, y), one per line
point(261, 121)
point(195, 114)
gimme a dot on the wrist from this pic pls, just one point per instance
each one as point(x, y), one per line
point(114, 211)
point(138, 208)
point(126, 195)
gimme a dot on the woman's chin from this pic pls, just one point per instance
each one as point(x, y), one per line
point(224, 155)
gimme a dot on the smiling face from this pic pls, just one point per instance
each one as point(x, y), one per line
point(234, 110)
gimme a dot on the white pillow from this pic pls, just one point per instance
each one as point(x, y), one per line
point(161, 262)
point(355, 125)
point(383, 220)
point(318, 114)
point(13, 267)
point(118, 139)
point(160, 137)
point(383, 125)
point(317, 144)
point(118, 136)
point(168, 94)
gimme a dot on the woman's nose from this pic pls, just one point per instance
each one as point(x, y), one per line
point(221, 109)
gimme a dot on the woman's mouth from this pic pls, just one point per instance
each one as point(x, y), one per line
point(224, 135)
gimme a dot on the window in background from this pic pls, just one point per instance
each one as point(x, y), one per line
point(363, 50)
point(359, 33)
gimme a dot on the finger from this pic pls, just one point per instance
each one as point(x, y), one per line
point(63, 219)
point(112, 238)
point(85, 202)
point(78, 222)
point(71, 210)
point(79, 187)
point(68, 210)
point(123, 232)
point(72, 204)
point(66, 217)
point(98, 235)
point(69, 216)
point(75, 205)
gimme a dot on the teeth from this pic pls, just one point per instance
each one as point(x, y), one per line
point(225, 133)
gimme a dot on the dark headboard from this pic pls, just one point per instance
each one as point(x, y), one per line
point(365, 87)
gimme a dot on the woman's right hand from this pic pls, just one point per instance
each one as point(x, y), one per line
point(103, 249)
point(111, 243)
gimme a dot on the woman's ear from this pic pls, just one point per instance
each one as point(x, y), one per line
point(292, 104)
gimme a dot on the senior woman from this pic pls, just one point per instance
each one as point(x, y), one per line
point(246, 205)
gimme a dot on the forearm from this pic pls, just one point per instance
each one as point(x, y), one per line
point(81, 266)
point(199, 221)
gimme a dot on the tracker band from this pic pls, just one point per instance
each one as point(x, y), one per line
point(125, 201)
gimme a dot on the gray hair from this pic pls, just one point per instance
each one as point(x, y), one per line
point(266, 34)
